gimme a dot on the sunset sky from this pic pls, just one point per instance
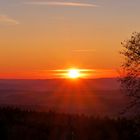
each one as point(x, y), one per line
point(37, 36)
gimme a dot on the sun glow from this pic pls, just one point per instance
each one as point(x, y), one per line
point(74, 73)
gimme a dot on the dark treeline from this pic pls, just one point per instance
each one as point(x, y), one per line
point(17, 124)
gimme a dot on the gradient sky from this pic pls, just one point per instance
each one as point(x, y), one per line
point(41, 35)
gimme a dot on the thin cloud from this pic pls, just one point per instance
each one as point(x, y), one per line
point(4, 19)
point(84, 50)
point(70, 4)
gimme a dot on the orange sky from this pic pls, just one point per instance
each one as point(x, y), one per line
point(38, 36)
point(49, 74)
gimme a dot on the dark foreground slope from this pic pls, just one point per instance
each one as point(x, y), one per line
point(16, 124)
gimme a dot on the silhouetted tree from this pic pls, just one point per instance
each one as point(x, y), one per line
point(31, 125)
point(130, 80)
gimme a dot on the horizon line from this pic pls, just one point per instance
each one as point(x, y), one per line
point(57, 78)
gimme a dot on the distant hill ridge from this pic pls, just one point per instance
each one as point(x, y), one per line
point(48, 84)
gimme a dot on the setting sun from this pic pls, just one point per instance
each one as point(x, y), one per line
point(74, 73)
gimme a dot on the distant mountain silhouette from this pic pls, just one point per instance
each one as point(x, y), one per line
point(89, 96)
point(48, 84)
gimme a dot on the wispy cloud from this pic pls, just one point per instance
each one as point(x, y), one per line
point(84, 50)
point(56, 3)
point(4, 19)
